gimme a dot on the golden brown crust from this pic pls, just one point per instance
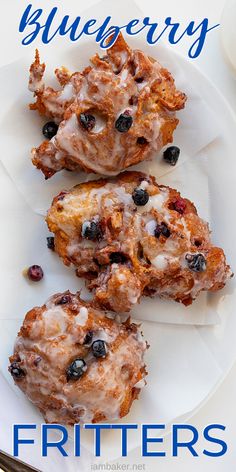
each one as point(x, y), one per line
point(151, 262)
point(53, 336)
point(125, 80)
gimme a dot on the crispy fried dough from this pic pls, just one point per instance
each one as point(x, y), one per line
point(62, 330)
point(138, 250)
point(125, 80)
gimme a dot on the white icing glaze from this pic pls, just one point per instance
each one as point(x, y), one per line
point(82, 317)
point(83, 95)
point(156, 127)
point(156, 202)
point(140, 384)
point(187, 233)
point(160, 261)
point(100, 123)
point(46, 159)
point(142, 85)
point(76, 245)
point(36, 85)
point(123, 77)
point(132, 293)
point(144, 185)
point(123, 196)
point(150, 227)
point(74, 205)
point(65, 134)
point(67, 93)
point(124, 57)
point(55, 323)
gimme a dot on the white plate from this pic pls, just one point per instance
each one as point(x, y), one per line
point(185, 363)
point(194, 135)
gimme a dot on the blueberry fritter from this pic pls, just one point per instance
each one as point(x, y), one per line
point(116, 113)
point(129, 236)
point(77, 365)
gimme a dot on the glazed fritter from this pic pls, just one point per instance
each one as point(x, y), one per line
point(116, 113)
point(129, 236)
point(77, 365)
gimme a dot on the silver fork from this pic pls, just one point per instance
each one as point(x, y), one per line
point(10, 464)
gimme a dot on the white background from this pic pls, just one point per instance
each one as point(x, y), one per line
point(221, 408)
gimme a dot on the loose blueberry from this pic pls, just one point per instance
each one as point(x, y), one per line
point(163, 230)
point(63, 300)
point(99, 348)
point(179, 205)
point(16, 371)
point(77, 368)
point(118, 258)
point(91, 230)
point(140, 196)
point(196, 262)
point(88, 338)
point(171, 155)
point(35, 273)
point(50, 129)
point(51, 243)
point(141, 140)
point(124, 122)
point(87, 121)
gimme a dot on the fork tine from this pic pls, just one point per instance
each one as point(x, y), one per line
point(10, 464)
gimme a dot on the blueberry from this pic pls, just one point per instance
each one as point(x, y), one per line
point(198, 242)
point(139, 80)
point(37, 361)
point(51, 243)
point(163, 230)
point(133, 100)
point(141, 140)
point(87, 121)
point(124, 122)
point(140, 196)
point(118, 258)
point(99, 348)
point(77, 368)
point(196, 262)
point(179, 205)
point(35, 273)
point(50, 130)
point(61, 196)
point(91, 230)
point(63, 300)
point(88, 338)
point(171, 155)
point(16, 371)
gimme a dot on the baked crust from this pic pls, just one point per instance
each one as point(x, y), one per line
point(125, 80)
point(149, 265)
point(53, 336)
